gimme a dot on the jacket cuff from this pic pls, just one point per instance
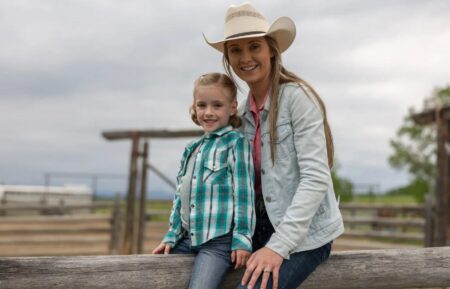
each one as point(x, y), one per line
point(279, 245)
point(241, 242)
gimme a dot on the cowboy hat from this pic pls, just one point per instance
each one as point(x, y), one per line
point(244, 21)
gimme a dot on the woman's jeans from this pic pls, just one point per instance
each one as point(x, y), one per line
point(293, 271)
point(212, 261)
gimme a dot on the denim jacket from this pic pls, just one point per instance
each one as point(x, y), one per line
point(297, 189)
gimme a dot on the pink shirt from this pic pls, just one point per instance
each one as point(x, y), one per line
point(257, 141)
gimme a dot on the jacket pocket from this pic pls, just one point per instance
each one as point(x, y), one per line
point(285, 141)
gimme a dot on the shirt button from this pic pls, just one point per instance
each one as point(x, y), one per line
point(192, 206)
point(268, 199)
point(194, 177)
point(192, 234)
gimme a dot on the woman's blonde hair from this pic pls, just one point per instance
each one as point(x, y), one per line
point(280, 75)
point(215, 78)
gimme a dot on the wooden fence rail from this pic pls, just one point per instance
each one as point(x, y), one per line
point(65, 233)
point(381, 269)
point(393, 222)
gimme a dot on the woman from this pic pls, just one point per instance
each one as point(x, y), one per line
point(285, 121)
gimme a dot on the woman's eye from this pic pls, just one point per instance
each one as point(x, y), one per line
point(254, 46)
point(234, 50)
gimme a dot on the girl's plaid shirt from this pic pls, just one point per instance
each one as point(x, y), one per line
point(222, 192)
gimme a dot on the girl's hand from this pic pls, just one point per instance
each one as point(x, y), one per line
point(162, 249)
point(264, 261)
point(240, 257)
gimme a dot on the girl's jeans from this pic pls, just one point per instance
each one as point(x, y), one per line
point(212, 261)
point(293, 271)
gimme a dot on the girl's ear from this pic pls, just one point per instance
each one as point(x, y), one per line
point(234, 107)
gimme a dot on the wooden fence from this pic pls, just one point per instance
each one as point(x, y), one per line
point(397, 223)
point(381, 269)
point(59, 232)
point(82, 234)
point(404, 223)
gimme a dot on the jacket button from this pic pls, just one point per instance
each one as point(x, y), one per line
point(262, 144)
point(268, 199)
point(263, 172)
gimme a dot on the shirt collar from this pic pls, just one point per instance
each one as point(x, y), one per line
point(253, 106)
point(219, 132)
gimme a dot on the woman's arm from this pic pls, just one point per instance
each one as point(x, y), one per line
point(312, 159)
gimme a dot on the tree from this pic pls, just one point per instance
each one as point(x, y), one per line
point(415, 146)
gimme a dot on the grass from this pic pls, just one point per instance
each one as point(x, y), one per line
point(384, 199)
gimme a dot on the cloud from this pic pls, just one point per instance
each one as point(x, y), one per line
point(70, 70)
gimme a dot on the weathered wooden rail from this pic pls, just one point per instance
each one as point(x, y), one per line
point(381, 269)
point(60, 233)
point(393, 222)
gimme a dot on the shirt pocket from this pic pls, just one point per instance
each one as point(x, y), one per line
point(215, 172)
point(285, 141)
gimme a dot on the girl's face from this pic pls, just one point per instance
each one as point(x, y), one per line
point(250, 60)
point(213, 106)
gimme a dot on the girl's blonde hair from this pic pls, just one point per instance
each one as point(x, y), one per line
point(215, 78)
point(280, 75)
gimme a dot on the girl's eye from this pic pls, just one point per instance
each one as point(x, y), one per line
point(218, 105)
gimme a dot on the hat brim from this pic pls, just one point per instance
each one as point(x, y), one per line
point(282, 30)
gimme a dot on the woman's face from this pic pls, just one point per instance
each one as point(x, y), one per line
point(250, 60)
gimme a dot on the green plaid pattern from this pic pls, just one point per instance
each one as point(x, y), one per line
point(222, 192)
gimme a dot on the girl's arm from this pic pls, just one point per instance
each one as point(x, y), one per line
point(174, 221)
point(241, 164)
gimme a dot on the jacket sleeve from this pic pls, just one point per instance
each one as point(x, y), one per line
point(311, 150)
point(241, 163)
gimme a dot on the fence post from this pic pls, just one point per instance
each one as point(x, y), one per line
point(429, 222)
point(143, 199)
point(115, 232)
point(129, 238)
point(2, 203)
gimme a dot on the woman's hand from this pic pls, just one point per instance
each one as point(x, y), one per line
point(263, 261)
point(162, 248)
point(240, 257)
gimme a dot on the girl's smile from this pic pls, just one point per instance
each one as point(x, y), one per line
point(213, 107)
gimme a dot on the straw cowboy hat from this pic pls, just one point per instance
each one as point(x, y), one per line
point(244, 21)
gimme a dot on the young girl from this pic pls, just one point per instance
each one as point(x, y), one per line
point(286, 122)
point(213, 212)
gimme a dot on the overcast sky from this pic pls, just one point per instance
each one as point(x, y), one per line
point(72, 69)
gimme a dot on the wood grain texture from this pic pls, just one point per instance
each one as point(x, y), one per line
point(382, 269)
